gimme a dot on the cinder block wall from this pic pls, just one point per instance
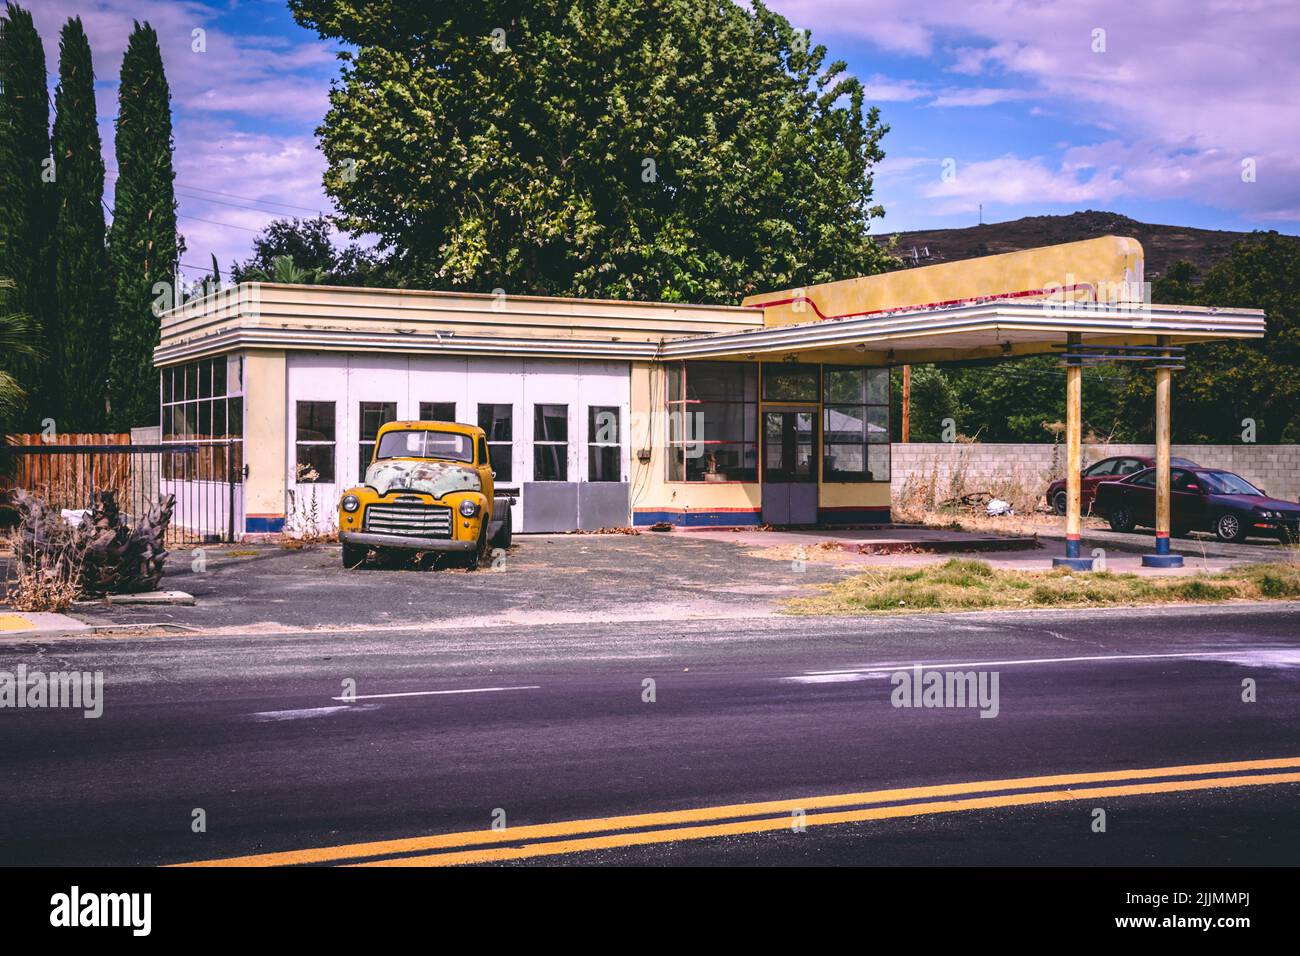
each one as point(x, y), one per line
point(1275, 468)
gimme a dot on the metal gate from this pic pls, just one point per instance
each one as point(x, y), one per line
point(206, 478)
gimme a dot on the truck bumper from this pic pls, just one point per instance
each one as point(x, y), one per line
point(405, 542)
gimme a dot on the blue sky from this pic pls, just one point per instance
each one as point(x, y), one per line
point(1148, 109)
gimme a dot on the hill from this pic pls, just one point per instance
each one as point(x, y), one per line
point(1163, 245)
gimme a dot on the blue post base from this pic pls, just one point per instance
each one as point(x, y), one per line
point(1162, 558)
point(1078, 564)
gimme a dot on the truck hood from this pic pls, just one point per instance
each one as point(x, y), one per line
point(435, 478)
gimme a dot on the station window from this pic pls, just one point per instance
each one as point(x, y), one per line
point(373, 416)
point(202, 404)
point(550, 443)
point(713, 421)
point(437, 411)
point(855, 424)
point(497, 421)
point(314, 443)
point(604, 448)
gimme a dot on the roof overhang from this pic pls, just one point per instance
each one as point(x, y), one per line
point(972, 332)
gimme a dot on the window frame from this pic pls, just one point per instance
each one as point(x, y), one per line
point(871, 450)
point(596, 449)
point(507, 443)
point(561, 460)
point(364, 460)
point(299, 442)
point(680, 405)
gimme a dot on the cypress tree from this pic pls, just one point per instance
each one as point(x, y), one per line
point(24, 199)
point(82, 302)
point(142, 241)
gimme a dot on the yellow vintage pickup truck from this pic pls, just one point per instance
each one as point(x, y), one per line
point(429, 487)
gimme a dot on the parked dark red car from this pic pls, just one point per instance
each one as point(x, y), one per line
point(1201, 499)
point(1108, 469)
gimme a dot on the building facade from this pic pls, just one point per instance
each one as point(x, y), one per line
point(605, 414)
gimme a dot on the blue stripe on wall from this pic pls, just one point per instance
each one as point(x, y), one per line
point(259, 525)
point(698, 519)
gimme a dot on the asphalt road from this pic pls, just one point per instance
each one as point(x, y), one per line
point(246, 728)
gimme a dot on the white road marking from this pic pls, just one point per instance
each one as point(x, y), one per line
point(434, 693)
point(1260, 657)
point(300, 714)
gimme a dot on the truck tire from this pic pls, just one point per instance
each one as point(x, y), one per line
point(475, 557)
point(505, 533)
point(354, 555)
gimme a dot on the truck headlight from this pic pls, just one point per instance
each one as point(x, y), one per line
point(469, 508)
point(351, 502)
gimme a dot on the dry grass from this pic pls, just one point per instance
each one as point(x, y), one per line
point(963, 584)
point(50, 583)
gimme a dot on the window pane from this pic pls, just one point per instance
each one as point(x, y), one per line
point(315, 421)
point(205, 420)
point(496, 421)
point(722, 381)
point(315, 464)
point(878, 423)
point(191, 381)
point(791, 383)
point(500, 458)
point(550, 423)
point(675, 393)
point(550, 463)
point(677, 463)
point(373, 416)
point(235, 415)
point(437, 411)
point(878, 386)
point(205, 379)
point(729, 462)
point(604, 463)
point(725, 422)
point(845, 462)
point(219, 377)
point(166, 376)
point(878, 462)
point(845, 423)
point(845, 386)
point(602, 424)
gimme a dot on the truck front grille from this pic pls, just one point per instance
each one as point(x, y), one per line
point(416, 519)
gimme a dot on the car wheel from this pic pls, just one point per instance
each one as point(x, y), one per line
point(1121, 519)
point(1230, 528)
point(504, 534)
point(354, 555)
point(1059, 502)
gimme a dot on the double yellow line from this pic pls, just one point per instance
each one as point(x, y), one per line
point(645, 829)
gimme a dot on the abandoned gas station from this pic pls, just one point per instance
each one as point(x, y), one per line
point(606, 413)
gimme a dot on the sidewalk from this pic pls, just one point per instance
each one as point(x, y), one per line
point(38, 623)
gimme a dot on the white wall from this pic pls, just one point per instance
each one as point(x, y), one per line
point(348, 379)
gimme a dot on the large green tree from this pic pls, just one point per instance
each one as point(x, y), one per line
point(309, 245)
point(24, 209)
point(81, 293)
point(143, 245)
point(1226, 384)
point(683, 150)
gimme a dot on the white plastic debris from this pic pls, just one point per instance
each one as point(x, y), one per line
point(74, 518)
point(999, 507)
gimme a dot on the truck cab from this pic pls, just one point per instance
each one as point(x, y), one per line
point(429, 487)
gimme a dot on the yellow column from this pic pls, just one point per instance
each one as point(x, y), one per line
point(1073, 460)
point(265, 441)
point(1164, 383)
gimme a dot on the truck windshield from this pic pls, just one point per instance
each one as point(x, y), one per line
point(450, 446)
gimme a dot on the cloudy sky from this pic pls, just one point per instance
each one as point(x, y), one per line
point(1151, 108)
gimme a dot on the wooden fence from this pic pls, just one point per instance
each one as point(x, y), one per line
point(63, 480)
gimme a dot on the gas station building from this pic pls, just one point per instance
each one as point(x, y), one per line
point(605, 413)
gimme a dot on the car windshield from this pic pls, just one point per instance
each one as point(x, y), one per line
point(1226, 483)
point(420, 443)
